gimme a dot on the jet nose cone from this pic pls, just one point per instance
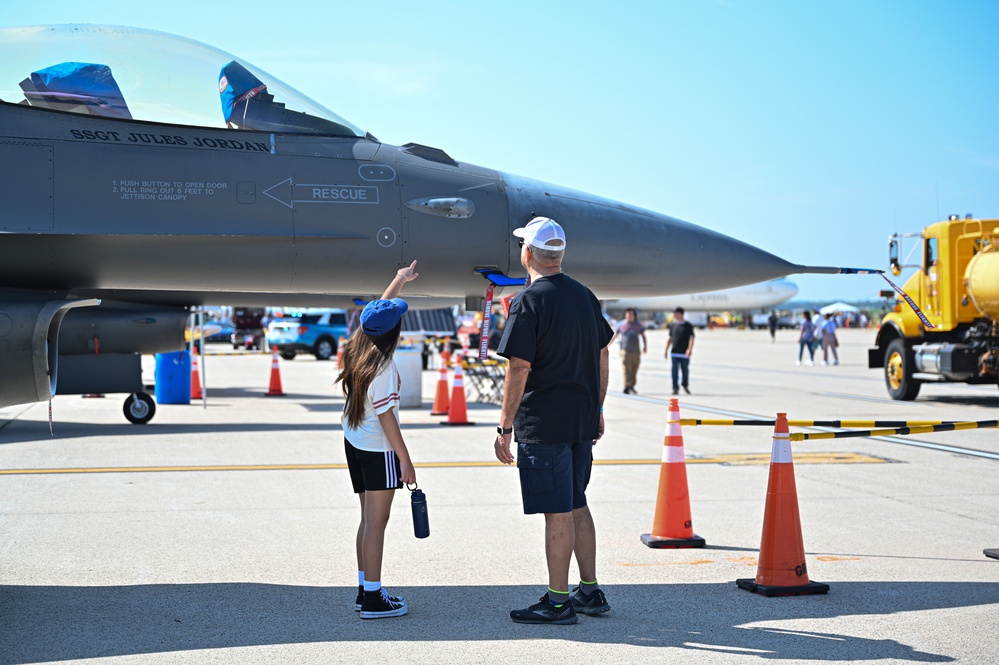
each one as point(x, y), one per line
point(623, 251)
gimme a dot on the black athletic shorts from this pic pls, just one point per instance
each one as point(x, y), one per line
point(553, 477)
point(372, 471)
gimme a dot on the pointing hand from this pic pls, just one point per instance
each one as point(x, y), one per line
point(408, 273)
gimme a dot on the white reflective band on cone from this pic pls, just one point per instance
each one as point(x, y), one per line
point(782, 449)
point(673, 455)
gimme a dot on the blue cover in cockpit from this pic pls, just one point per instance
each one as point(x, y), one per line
point(236, 84)
point(83, 84)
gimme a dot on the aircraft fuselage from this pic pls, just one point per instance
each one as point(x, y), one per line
point(101, 207)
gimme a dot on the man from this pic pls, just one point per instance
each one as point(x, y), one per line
point(630, 331)
point(681, 338)
point(772, 322)
point(556, 341)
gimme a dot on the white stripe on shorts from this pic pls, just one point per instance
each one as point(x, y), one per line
point(391, 473)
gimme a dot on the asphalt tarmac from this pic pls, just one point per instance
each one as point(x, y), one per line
point(226, 534)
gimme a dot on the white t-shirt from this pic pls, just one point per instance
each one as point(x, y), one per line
point(383, 394)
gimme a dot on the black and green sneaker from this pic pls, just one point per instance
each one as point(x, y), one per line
point(545, 612)
point(594, 603)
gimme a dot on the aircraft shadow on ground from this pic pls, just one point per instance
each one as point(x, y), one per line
point(39, 431)
point(239, 393)
point(36, 431)
point(52, 623)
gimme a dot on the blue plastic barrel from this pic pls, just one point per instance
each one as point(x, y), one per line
point(173, 378)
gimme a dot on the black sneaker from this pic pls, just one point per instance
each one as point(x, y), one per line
point(378, 605)
point(545, 612)
point(360, 598)
point(686, 390)
point(595, 603)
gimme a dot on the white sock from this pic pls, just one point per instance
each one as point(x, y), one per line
point(360, 577)
point(371, 586)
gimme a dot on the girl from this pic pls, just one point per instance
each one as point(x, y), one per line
point(377, 457)
point(829, 340)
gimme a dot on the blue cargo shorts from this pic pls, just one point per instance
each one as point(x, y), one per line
point(554, 476)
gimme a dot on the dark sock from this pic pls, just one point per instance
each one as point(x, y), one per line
point(557, 598)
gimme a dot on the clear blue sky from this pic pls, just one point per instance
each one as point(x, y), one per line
point(810, 129)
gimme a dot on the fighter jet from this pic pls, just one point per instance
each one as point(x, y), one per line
point(741, 299)
point(153, 173)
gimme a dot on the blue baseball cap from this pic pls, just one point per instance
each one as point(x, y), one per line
point(381, 316)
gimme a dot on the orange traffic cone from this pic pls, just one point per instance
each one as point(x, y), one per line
point(195, 376)
point(671, 526)
point(457, 413)
point(339, 353)
point(441, 401)
point(275, 387)
point(782, 570)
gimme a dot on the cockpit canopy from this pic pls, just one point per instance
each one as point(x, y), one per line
point(139, 74)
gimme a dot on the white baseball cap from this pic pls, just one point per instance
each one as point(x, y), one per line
point(541, 231)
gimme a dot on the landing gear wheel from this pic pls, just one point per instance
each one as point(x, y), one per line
point(139, 408)
point(898, 372)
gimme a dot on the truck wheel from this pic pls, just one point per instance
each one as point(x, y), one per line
point(898, 372)
point(139, 408)
point(324, 349)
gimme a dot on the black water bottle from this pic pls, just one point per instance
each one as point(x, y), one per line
point(421, 521)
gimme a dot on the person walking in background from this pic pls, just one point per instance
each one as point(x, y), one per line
point(630, 330)
point(681, 338)
point(556, 340)
point(377, 457)
point(829, 340)
point(772, 325)
point(806, 338)
point(817, 331)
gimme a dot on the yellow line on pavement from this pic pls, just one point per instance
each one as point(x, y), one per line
point(734, 459)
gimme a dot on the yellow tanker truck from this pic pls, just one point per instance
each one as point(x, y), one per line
point(957, 287)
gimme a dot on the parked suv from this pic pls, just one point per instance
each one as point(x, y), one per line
point(317, 332)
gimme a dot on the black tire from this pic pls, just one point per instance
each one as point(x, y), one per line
point(287, 354)
point(324, 349)
point(899, 362)
point(139, 408)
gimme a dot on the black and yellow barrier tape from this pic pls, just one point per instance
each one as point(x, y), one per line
point(899, 431)
point(843, 424)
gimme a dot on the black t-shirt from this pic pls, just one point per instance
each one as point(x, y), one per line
point(680, 334)
point(556, 325)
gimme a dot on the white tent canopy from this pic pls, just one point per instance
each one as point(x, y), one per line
point(838, 307)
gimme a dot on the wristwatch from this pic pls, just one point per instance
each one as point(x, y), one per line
point(504, 430)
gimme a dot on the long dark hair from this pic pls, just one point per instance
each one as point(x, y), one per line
point(364, 356)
